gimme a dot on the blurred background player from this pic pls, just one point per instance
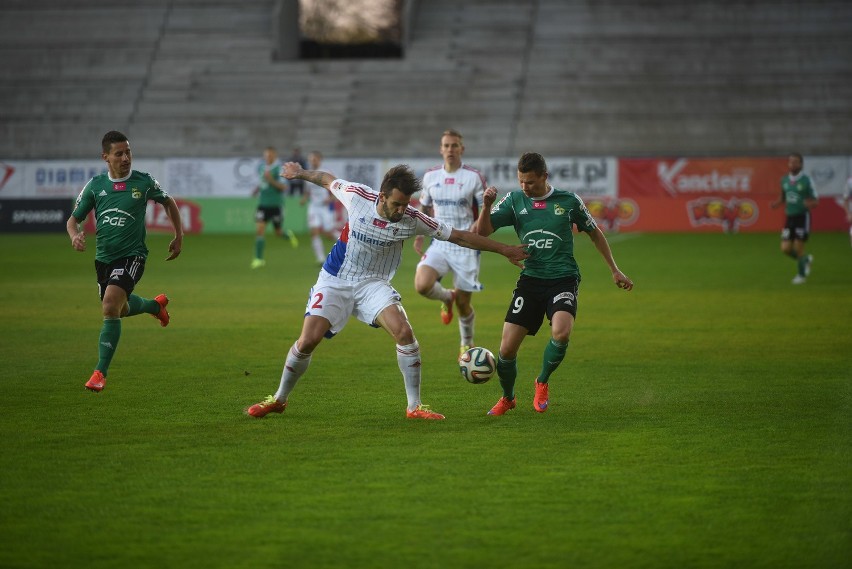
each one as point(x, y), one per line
point(355, 279)
point(120, 198)
point(452, 193)
point(320, 209)
point(543, 218)
point(799, 196)
point(270, 204)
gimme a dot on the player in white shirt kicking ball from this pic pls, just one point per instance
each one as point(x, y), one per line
point(452, 193)
point(355, 278)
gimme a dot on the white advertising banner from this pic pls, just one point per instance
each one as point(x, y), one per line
point(184, 178)
point(588, 177)
point(828, 174)
point(57, 178)
point(238, 177)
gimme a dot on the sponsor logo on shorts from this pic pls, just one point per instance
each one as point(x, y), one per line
point(567, 297)
point(116, 273)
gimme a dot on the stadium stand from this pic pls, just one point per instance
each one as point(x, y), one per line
point(603, 77)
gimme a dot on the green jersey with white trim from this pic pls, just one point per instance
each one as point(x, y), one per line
point(545, 225)
point(795, 190)
point(119, 213)
point(270, 196)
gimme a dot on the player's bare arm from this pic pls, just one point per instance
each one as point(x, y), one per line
point(515, 253)
point(418, 239)
point(78, 238)
point(173, 212)
point(294, 171)
point(602, 245)
point(483, 225)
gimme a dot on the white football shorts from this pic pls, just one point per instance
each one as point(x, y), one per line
point(336, 300)
point(464, 265)
point(321, 217)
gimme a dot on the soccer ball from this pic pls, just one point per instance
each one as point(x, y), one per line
point(477, 365)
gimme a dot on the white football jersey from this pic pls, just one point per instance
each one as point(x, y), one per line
point(455, 197)
point(370, 246)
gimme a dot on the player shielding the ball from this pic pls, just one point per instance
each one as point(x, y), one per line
point(543, 218)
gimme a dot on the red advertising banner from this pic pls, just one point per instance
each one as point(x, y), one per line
point(691, 177)
point(703, 194)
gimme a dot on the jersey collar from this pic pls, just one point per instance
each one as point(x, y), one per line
point(124, 179)
point(545, 196)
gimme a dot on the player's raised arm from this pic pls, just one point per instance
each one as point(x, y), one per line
point(294, 171)
point(483, 225)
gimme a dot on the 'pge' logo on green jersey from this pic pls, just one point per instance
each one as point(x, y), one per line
point(115, 220)
point(541, 239)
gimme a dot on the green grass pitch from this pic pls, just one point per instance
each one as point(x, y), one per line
point(701, 420)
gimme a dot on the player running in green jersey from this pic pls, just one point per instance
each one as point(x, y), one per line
point(800, 197)
point(119, 199)
point(543, 218)
point(270, 205)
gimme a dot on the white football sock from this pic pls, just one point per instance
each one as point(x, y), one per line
point(408, 358)
point(294, 366)
point(437, 292)
point(466, 328)
point(319, 252)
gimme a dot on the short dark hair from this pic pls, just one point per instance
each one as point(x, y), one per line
point(532, 162)
point(111, 138)
point(799, 156)
point(403, 179)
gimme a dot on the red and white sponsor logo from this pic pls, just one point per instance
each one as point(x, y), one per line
point(6, 172)
point(540, 204)
point(379, 223)
point(678, 177)
point(449, 181)
point(119, 186)
point(696, 176)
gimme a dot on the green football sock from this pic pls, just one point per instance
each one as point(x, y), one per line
point(802, 262)
point(507, 371)
point(259, 246)
point(139, 305)
point(107, 343)
point(554, 353)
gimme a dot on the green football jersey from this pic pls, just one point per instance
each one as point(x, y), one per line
point(546, 226)
point(270, 196)
point(120, 207)
point(795, 190)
